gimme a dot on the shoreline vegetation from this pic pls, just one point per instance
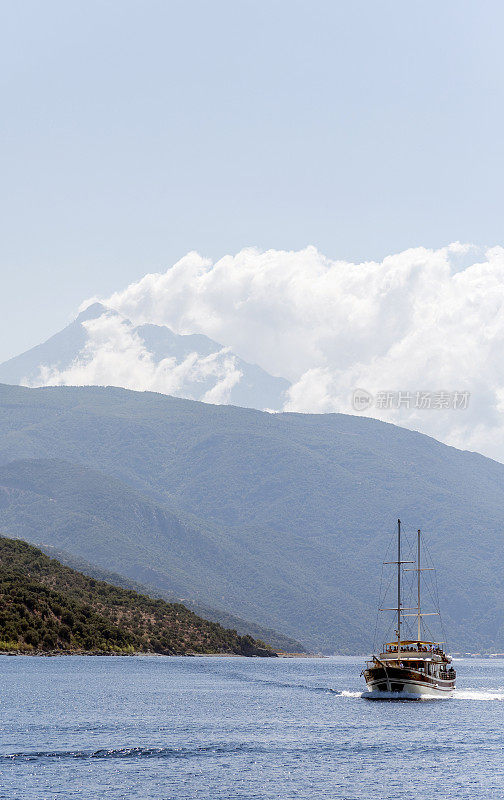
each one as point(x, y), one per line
point(279, 642)
point(90, 653)
point(49, 609)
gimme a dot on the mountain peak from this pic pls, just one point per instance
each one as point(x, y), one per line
point(194, 365)
point(93, 311)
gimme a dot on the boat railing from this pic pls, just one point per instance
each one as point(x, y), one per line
point(416, 648)
point(447, 674)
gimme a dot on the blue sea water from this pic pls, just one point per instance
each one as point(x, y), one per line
point(154, 728)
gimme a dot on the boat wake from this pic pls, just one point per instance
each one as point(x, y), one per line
point(401, 697)
point(478, 694)
point(306, 687)
point(459, 694)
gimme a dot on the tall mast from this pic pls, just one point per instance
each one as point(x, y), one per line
point(398, 587)
point(418, 577)
point(418, 569)
point(400, 610)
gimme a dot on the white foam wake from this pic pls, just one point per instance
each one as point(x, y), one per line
point(478, 694)
point(459, 694)
point(402, 696)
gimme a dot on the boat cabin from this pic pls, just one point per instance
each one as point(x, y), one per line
point(420, 656)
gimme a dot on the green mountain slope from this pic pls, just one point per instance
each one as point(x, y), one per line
point(282, 519)
point(276, 640)
point(47, 606)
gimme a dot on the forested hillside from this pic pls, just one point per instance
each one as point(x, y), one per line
point(278, 641)
point(45, 606)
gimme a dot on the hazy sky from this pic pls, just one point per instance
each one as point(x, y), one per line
point(133, 132)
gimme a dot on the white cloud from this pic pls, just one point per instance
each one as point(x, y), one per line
point(115, 355)
point(418, 320)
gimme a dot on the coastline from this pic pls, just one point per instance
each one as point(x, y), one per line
point(149, 653)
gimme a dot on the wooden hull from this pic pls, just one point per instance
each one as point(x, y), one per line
point(405, 684)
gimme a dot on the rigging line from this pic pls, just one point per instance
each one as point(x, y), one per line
point(378, 611)
point(407, 626)
point(432, 594)
point(434, 578)
point(386, 623)
point(437, 600)
point(443, 631)
point(410, 582)
point(385, 593)
point(387, 629)
point(380, 604)
point(391, 578)
point(428, 631)
point(431, 582)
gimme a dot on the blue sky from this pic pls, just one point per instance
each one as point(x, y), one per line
point(133, 132)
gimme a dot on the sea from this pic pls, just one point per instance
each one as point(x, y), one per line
point(210, 728)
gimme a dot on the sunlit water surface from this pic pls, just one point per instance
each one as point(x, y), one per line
point(226, 728)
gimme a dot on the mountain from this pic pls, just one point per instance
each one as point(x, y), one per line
point(282, 519)
point(200, 363)
point(46, 606)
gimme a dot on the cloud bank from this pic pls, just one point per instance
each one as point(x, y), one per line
point(420, 320)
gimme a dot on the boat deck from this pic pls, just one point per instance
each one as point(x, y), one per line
point(414, 651)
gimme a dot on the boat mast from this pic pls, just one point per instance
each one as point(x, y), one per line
point(418, 577)
point(418, 569)
point(400, 610)
point(398, 587)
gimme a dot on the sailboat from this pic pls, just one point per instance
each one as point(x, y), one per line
point(410, 668)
